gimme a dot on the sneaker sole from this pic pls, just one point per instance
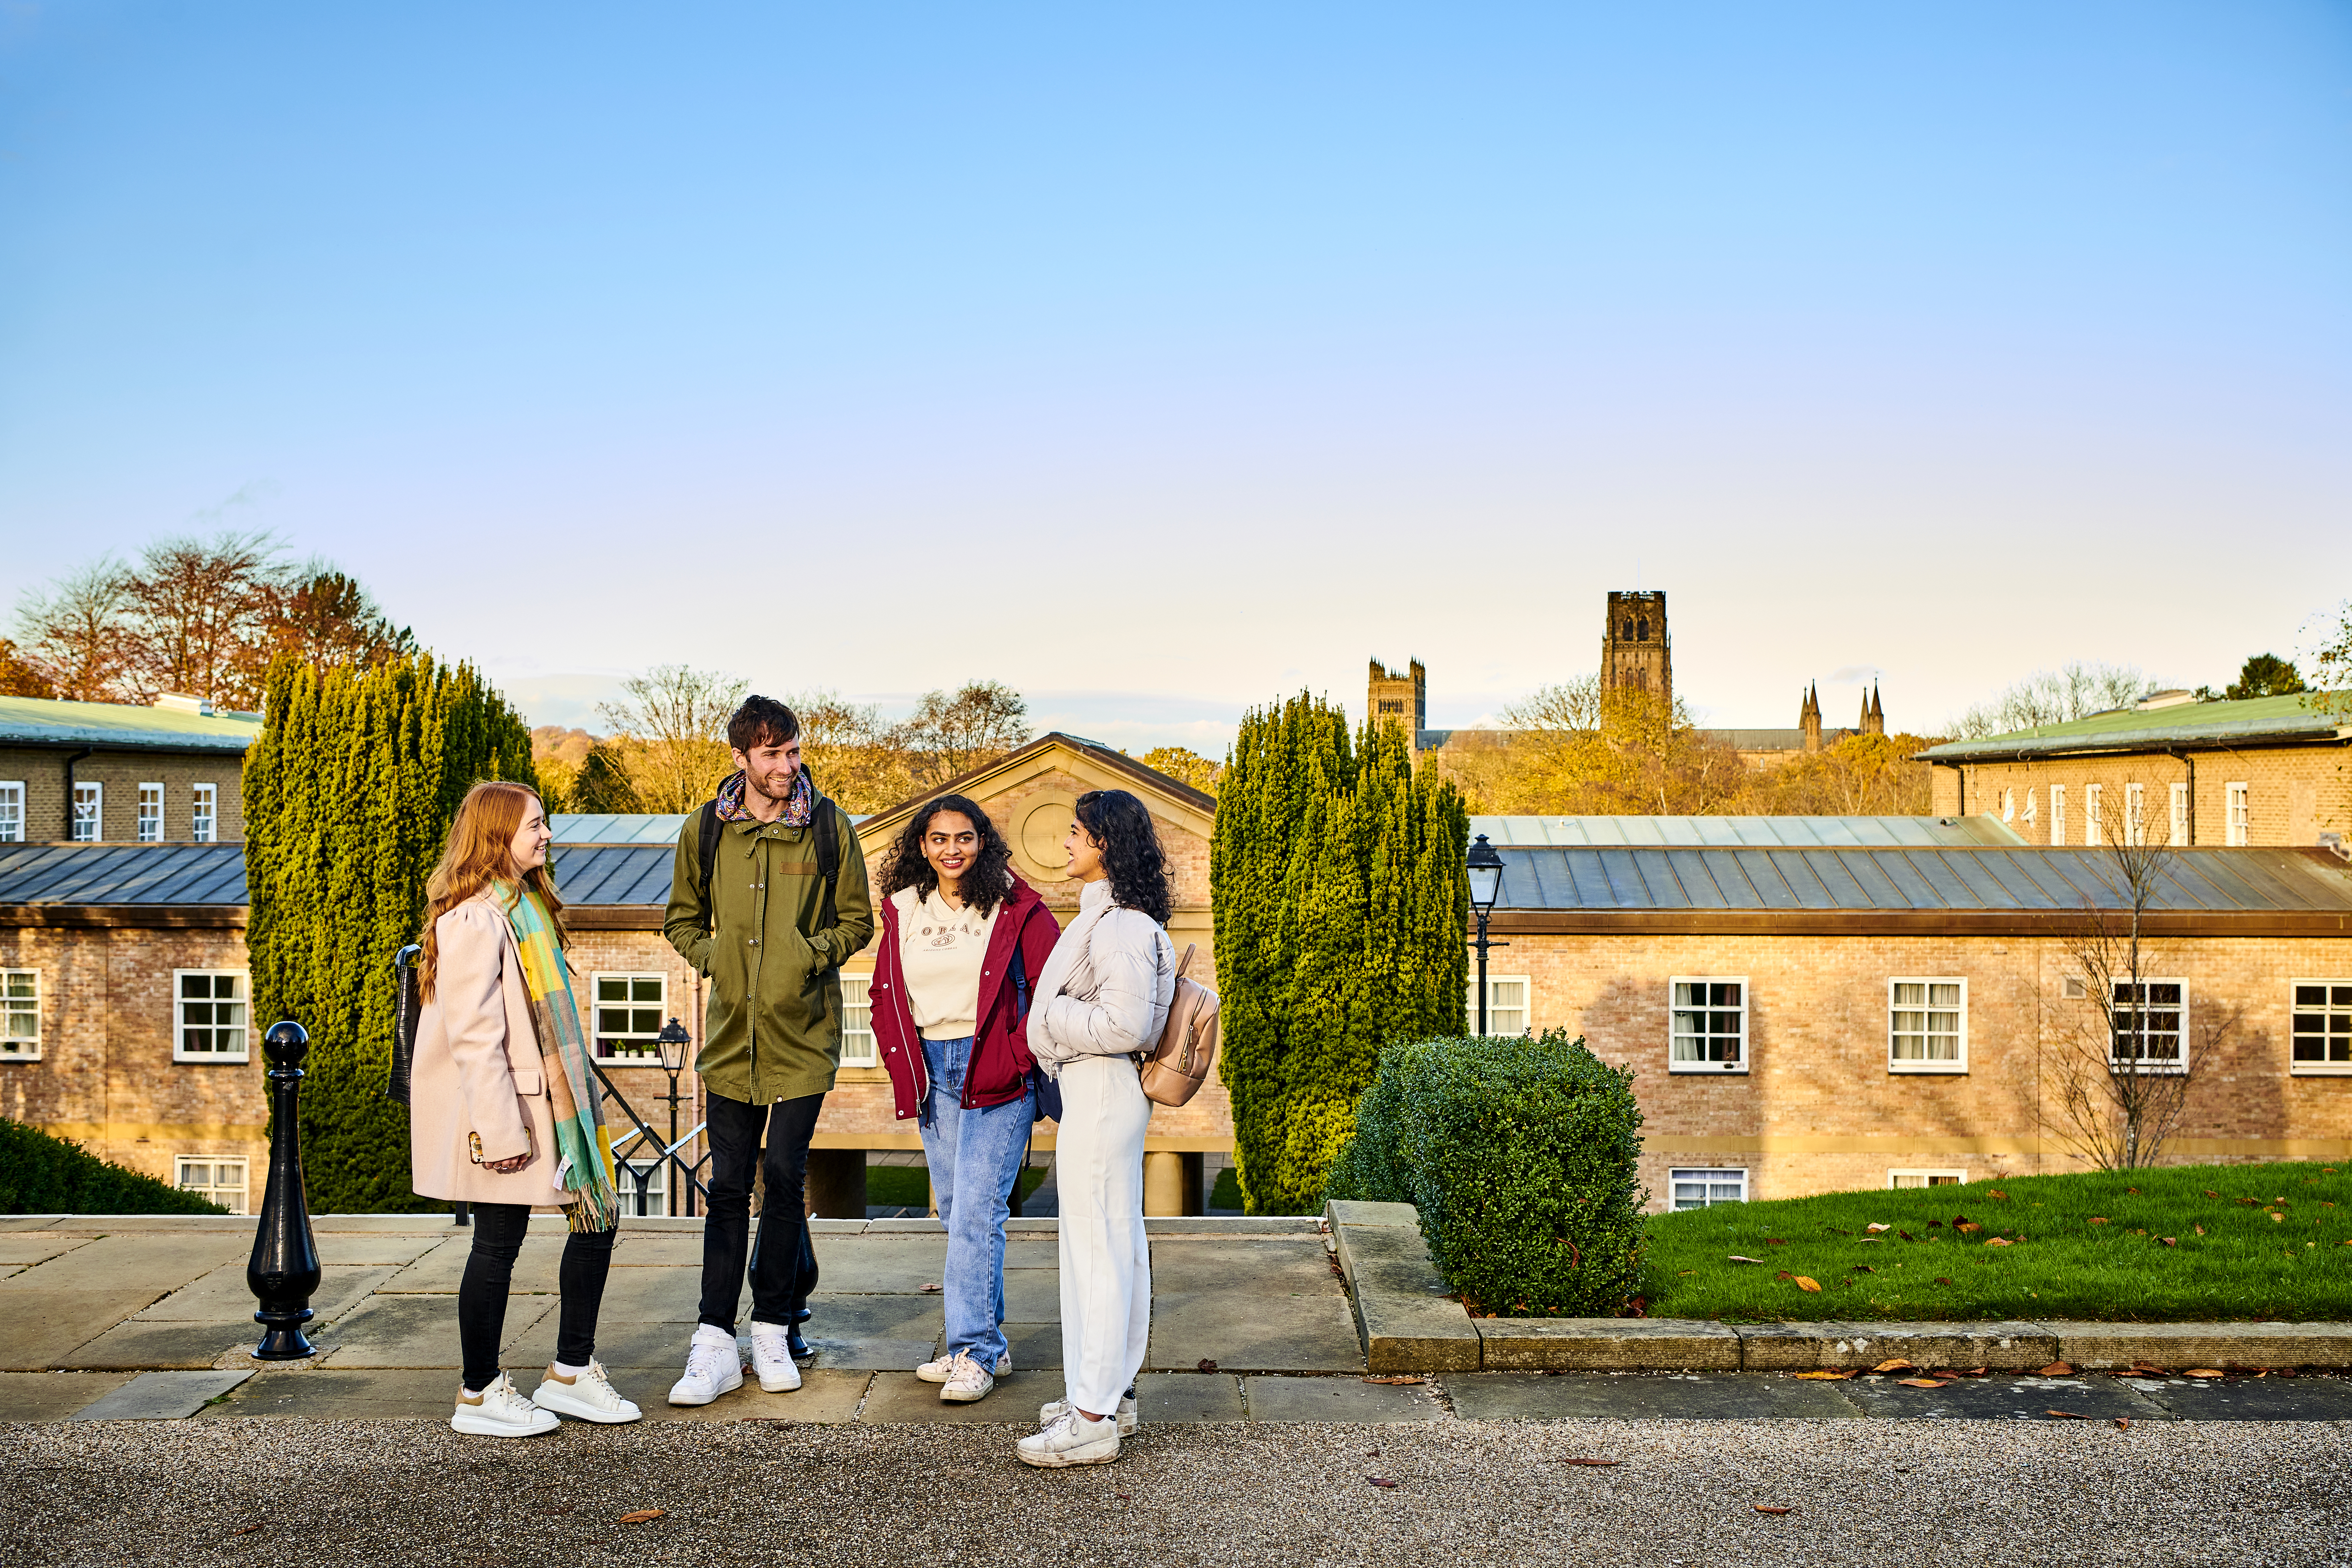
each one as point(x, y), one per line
point(480, 1428)
point(965, 1395)
point(722, 1388)
point(925, 1374)
point(554, 1405)
point(1068, 1457)
point(779, 1387)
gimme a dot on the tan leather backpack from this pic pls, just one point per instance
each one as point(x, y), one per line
point(1187, 1049)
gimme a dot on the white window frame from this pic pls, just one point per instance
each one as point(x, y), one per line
point(1497, 1006)
point(858, 1048)
point(2057, 816)
point(625, 1172)
point(2237, 813)
point(204, 814)
point(650, 1055)
point(14, 1047)
point(180, 1053)
point(1936, 1065)
point(1921, 1176)
point(2094, 828)
point(149, 795)
point(2178, 1064)
point(12, 811)
point(1674, 1006)
point(2324, 1067)
point(213, 1188)
point(2134, 814)
point(95, 820)
point(1710, 1177)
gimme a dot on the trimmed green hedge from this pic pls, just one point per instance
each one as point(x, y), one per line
point(41, 1174)
point(1520, 1155)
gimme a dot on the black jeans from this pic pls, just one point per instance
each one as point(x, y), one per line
point(784, 1265)
point(489, 1270)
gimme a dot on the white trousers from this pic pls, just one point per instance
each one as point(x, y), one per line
point(1106, 1261)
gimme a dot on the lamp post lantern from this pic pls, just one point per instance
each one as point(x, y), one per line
point(1486, 870)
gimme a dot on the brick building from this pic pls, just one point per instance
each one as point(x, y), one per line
point(2268, 770)
point(110, 772)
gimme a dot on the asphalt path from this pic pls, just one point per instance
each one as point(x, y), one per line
point(1682, 1493)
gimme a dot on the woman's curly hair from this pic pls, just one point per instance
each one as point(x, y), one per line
point(1122, 825)
point(987, 883)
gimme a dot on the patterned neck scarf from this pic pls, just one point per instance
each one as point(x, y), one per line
point(583, 1147)
point(799, 806)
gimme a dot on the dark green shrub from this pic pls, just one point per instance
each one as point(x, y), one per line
point(1520, 1155)
point(41, 1174)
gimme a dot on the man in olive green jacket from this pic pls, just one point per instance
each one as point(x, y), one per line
point(772, 1031)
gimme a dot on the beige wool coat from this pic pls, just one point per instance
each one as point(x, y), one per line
point(476, 1069)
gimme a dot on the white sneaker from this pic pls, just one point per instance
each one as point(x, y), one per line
point(1072, 1439)
point(968, 1381)
point(771, 1359)
point(1050, 1413)
point(939, 1371)
point(591, 1396)
point(713, 1367)
point(500, 1411)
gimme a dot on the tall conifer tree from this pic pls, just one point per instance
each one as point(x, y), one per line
point(1341, 909)
point(349, 792)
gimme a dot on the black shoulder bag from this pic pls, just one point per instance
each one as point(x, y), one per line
point(1046, 1094)
point(407, 1007)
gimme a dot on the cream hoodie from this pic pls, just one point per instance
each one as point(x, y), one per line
point(1105, 989)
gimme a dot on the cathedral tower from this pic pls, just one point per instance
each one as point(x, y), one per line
point(1874, 716)
point(1402, 699)
point(1809, 718)
point(1634, 651)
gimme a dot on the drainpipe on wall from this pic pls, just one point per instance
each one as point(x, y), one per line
point(80, 756)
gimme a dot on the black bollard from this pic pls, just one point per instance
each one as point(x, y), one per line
point(284, 1270)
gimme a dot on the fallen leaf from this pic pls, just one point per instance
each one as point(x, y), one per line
point(2149, 1368)
point(1805, 1284)
point(1767, 1507)
point(1122, 1496)
point(1381, 1482)
point(2169, 1240)
point(1997, 1241)
point(1995, 1192)
point(2278, 1219)
point(1396, 1382)
point(1961, 1219)
point(1921, 1381)
point(2123, 1423)
point(1935, 1225)
point(1784, 1274)
point(1975, 1372)
point(1941, 1280)
point(2098, 1219)
point(2211, 1193)
point(1897, 1364)
point(1863, 1269)
point(643, 1516)
point(1680, 1273)
point(2057, 1369)
point(2204, 1372)
point(1874, 1225)
point(930, 1288)
point(1736, 1258)
point(1904, 1235)
point(2200, 1230)
point(1774, 1241)
point(1602, 1464)
point(248, 1530)
point(1207, 1365)
point(1968, 1227)
point(1826, 1376)
point(2070, 1415)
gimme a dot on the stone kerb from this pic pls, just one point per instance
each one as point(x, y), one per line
point(1408, 1323)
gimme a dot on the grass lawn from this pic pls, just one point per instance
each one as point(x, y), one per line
point(2183, 1242)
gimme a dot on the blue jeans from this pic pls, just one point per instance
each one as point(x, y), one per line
point(974, 1157)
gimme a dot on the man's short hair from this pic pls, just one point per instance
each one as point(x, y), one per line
point(762, 721)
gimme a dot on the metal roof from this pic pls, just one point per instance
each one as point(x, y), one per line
point(122, 874)
point(1831, 832)
point(2193, 724)
point(37, 720)
point(607, 875)
point(1636, 877)
point(632, 828)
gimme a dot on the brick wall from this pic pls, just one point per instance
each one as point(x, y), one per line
point(2294, 793)
point(43, 772)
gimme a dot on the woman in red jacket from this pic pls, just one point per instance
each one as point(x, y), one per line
point(962, 942)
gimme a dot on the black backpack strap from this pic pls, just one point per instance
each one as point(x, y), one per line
point(828, 860)
point(706, 851)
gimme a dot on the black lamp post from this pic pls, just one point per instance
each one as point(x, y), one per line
point(1485, 868)
point(284, 1268)
point(673, 1043)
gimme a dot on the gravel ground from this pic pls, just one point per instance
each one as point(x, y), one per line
point(283, 1492)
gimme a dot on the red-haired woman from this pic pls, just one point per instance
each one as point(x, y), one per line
point(502, 1113)
point(962, 940)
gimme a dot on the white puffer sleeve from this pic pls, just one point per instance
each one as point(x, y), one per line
point(1134, 976)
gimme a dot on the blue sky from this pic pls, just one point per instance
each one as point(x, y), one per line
point(1161, 363)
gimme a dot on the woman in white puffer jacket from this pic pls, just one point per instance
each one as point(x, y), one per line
point(1102, 1000)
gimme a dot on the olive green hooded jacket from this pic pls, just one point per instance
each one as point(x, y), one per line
point(771, 1027)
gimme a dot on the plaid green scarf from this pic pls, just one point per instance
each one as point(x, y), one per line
point(583, 1147)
